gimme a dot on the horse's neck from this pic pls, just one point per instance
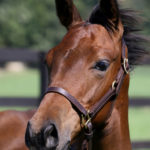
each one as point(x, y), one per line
point(115, 135)
point(116, 132)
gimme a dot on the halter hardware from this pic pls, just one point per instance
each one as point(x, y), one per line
point(126, 65)
point(114, 84)
point(85, 120)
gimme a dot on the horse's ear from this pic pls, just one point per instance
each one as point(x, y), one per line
point(67, 13)
point(106, 13)
point(110, 10)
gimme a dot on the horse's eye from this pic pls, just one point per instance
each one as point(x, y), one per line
point(102, 65)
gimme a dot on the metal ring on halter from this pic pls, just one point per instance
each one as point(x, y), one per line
point(114, 85)
point(125, 63)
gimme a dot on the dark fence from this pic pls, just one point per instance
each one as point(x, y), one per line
point(27, 56)
point(34, 57)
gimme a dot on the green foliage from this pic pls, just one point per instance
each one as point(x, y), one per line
point(34, 24)
point(142, 6)
point(31, 23)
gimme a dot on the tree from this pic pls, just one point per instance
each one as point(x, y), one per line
point(34, 24)
point(31, 23)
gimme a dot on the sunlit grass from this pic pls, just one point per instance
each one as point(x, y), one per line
point(139, 121)
point(16, 108)
point(140, 82)
point(27, 84)
point(21, 84)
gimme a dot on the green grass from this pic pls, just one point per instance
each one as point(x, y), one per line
point(16, 108)
point(139, 118)
point(139, 121)
point(140, 82)
point(27, 84)
point(22, 84)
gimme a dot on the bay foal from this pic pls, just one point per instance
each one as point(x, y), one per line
point(86, 63)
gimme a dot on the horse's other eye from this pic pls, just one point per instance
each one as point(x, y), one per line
point(102, 65)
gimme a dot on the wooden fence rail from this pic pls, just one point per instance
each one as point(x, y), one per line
point(27, 56)
point(33, 102)
point(141, 145)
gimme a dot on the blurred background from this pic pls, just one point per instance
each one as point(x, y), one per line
point(30, 28)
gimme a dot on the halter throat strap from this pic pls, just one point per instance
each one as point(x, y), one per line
point(86, 116)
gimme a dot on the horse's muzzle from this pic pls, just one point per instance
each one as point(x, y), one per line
point(46, 139)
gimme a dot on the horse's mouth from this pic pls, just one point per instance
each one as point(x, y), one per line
point(67, 146)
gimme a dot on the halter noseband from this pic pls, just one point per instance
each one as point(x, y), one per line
point(87, 116)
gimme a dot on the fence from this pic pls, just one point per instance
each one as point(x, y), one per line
point(28, 56)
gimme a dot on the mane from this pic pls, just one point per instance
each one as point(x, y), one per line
point(137, 44)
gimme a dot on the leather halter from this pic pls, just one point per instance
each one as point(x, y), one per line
point(86, 116)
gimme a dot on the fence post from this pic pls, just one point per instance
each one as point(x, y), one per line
point(43, 75)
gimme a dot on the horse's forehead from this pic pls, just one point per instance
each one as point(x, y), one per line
point(92, 39)
point(91, 34)
point(90, 31)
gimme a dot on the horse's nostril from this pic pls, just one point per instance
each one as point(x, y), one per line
point(48, 130)
point(28, 135)
point(33, 139)
point(51, 136)
point(47, 138)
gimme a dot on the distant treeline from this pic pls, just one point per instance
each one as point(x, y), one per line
point(33, 23)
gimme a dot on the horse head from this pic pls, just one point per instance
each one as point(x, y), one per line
point(85, 64)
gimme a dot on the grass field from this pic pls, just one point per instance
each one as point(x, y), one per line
point(140, 82)
point(27, 84)
point(139, 121)
point(22, 84)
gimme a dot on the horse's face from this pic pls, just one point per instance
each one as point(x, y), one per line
point(85, 64)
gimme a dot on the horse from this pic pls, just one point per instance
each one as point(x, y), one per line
point(86, 104)
point(12, 129)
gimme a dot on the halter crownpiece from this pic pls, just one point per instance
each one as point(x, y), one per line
point(86, 116)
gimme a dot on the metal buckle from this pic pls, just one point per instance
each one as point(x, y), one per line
point(85, 120)
point(114, 85)
point(125, 67)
